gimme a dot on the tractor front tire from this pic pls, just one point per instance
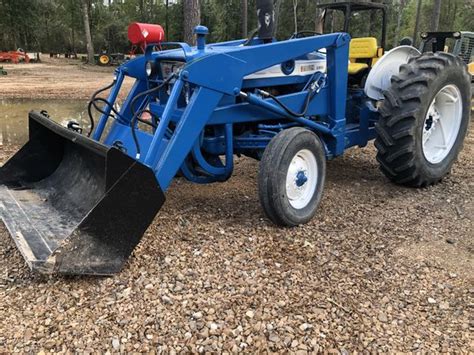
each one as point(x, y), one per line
point(291, 177)
point(424, 120)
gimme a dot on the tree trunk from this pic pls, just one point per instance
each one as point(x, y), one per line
point(319, 18)
point(47, 35)
point(73, 34)
point(417, 23)
point(295, 14)
point(455, 11)
point(277, 8)
point(436, 14)
point(142, 11)
point(192, 18)
point(87, 30)
point(167, 4)
point(400, 8)
point(244, 18)
point(73, 40)
point(372, 28)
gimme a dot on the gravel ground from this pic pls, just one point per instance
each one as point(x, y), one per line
point(381, 268)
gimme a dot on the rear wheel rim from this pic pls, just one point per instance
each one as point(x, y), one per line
point(442, 124)
point(301, 179)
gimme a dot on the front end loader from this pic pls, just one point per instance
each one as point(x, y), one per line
point(77, 200)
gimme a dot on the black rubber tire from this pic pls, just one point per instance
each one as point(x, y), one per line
point(273, 171)
point(403, 112)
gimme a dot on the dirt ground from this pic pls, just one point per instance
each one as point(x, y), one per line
point(381, 268)
point(55, 79)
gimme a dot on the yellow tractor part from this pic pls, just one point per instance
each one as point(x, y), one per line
point(470, 67)
point(364, 48)
point(104, 59)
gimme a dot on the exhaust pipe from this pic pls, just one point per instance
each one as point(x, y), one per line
point(266, 19)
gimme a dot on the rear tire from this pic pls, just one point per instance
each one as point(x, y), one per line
point(291, 177)
point(424, 120)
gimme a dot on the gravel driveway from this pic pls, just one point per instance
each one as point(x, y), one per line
point(381, 268)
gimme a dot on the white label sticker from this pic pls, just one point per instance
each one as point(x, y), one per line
point(305, 68)
point(145, 33)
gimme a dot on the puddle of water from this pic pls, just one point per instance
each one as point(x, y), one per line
point(14, 116)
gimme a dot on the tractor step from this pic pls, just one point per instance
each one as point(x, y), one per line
point(73, 205)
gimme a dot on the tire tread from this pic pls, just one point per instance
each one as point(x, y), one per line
point(400, 113)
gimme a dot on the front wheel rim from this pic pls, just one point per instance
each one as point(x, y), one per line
point(301, 179)
point(442, 124)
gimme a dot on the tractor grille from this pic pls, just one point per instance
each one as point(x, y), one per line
point(467, 49)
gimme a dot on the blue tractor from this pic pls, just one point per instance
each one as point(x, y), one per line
point(77, 200)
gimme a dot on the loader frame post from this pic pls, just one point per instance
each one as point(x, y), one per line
point(197, 114)
point(336, 59)
point(152, 155)
point(108, 109)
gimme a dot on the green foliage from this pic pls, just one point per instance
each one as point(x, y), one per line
point(57, 25)
point(17, 23)
point(225, 24)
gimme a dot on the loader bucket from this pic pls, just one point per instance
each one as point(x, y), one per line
point(73, 205)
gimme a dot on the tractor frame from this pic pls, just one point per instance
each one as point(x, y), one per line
point(224, 117)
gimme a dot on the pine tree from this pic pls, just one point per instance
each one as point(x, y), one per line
point(436, 14)
point(87, 30)
point(192, 18)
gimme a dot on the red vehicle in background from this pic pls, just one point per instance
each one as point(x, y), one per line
point(14, 56)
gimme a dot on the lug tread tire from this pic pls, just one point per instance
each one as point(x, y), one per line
point(403, 111)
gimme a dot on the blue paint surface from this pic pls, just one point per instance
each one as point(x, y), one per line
point(209, 111)
point(301, 179)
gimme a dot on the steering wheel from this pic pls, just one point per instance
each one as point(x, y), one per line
point(303, 34)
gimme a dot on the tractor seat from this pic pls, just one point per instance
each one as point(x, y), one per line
point(361, 48)
point(355, 68)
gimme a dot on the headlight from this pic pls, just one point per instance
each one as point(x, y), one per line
point(424, 35)
point(457, 34)
point(149, 68)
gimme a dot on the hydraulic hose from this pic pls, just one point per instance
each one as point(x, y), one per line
point(112, 108)
point(92, 103)
point(313, 89)
point(308, 99)
point(153, 123)
point(136, 115)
